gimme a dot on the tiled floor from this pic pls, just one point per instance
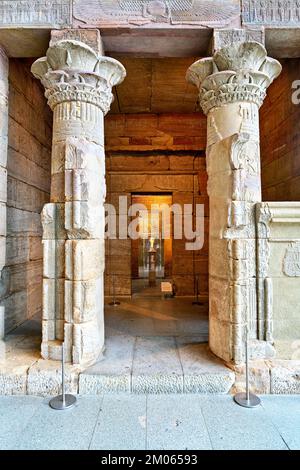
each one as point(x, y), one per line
point(156, 422)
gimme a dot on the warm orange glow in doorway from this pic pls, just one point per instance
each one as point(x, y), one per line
point(141, 246)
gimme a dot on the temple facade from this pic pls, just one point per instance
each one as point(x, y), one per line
point(109, 110)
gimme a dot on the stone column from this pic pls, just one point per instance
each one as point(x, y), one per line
point(78, 87)
point(3, 177)
point(232, 86)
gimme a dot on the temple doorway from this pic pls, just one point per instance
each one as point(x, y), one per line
point(151, 253)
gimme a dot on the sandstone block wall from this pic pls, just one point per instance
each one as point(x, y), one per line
point(280, 137)
point(3, 174)
point(28, 187)
point(157, 153)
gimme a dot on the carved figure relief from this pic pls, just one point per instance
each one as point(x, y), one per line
point(291, 261)
point(140, 12)
point(35, 12)
point(271, 11)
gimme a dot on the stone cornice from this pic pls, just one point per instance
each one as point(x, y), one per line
point(72, 71)
point(241, 72)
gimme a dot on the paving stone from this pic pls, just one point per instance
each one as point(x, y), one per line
point(284, 412)
point(15, 412)
point(20, 354)
point(202, 371)
point(113, 372)
point(233, 427)
point(285, 379)
point(169, 423)
point(156, 366)
point(44, 378)
point(129, 411)
point(62, 430)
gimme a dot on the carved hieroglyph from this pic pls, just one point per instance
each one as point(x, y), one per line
point(229, 36)
point(78, 86)
point(142, 12)
point(27, 13)
point(291, 262)
point(271, 12)
point(232, 86)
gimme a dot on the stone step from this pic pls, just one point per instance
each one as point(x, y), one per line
point(157, 365)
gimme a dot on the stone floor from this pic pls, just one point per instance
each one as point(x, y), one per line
point(155, 422)
point(157, 346)
point(153, 345)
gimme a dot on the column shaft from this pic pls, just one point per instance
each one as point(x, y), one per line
point(74, 221)
point(232, 86)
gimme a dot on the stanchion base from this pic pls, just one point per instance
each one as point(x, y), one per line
point(197, 302)
point(114, 302)
point(241, 399)
point(57, 402)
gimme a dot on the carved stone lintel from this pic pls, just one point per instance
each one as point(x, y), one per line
point(103, 13)
point(240, 72)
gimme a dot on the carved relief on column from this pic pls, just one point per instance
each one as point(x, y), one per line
point(78, 87)
point(232, 86)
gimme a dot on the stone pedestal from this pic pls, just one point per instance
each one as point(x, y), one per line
point(232, 86)
point(78, 87)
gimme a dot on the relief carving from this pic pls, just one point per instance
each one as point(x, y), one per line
point(228, 37)
point(271, 12)
point(291, 261)
point(142, 12)
point(35, 13)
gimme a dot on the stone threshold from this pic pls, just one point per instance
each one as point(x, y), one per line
point(130, 364)
point(24, 373)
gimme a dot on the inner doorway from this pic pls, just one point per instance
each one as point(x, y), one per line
point(151, 253)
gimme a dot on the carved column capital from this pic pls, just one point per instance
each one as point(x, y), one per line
point(240, 72)
point(72, 71)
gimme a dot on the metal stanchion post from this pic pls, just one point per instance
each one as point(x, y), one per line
point(247, 400)
point(114, 301)
point(63, 401)
point(197, 301)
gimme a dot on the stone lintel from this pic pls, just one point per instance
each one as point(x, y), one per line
point(138, 13)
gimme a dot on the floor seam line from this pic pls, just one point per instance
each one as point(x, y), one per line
point(96, 422)
point(274, 425)
point(180, 362)
point(208, 433)
point(132, 361)
point(146, 432)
